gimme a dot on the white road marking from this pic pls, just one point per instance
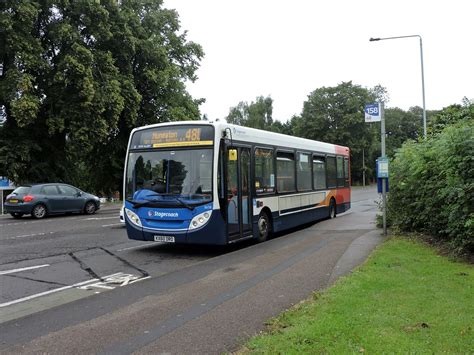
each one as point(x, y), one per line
point(6, 304)
point(98, 284)
point(111, 282)
point(99, 218)
point(115, 280)
point(26, 235)
point(140, 246)
point(114, 224)
point(30, 235)
point(141, 279)
point(24, 223)
point(6, 272)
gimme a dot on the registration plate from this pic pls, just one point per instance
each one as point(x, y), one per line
point(13, 201)
point(164, 238)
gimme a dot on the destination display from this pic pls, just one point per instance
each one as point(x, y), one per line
point(175, 136)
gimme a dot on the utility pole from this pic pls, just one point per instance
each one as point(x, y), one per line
point(374, 112)
point(363, 167)
point(384, 192)
point(422, 72)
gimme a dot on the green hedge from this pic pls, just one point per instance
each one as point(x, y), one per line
point(432, 186)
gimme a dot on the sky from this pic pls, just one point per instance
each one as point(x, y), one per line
point(287, 49)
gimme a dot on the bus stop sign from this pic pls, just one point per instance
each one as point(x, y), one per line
point(382, 168)
point(373, 113)
point(382, 174)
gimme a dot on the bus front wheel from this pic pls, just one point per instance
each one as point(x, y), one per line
point(264, 227)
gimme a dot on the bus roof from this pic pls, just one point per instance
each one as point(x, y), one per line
point(256, 136)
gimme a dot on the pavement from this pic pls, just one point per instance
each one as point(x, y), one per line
point(209, 307)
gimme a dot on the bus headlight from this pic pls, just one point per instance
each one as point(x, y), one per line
point(133, 217)
point(200, 220)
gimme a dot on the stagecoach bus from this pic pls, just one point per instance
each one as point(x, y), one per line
point(203, 182)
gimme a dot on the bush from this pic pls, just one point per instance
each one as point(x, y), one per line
point(432, 186)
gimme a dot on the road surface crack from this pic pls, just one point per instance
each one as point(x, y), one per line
point(36, 280)
point(126, 262)
point(85, 267)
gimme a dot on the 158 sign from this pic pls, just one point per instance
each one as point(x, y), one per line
point(372, 112)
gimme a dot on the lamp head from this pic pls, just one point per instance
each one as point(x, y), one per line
point(374, 39)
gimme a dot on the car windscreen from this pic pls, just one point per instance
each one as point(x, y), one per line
point(185, 173)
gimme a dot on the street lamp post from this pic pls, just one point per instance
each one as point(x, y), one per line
point(422, 72)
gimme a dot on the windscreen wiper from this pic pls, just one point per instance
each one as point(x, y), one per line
point(202, 196)
point(138, 204)
point(184, 203)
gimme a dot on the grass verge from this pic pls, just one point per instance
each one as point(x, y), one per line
point(404, 299)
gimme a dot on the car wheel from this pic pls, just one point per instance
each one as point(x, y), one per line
point(264, 227)
point(39, 211)
point(89, 208)
point(332, 209)
point(16, 215)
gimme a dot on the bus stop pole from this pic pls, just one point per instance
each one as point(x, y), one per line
point(363, 167)
point(384, 192)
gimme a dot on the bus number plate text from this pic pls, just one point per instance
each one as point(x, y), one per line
point(164, 238)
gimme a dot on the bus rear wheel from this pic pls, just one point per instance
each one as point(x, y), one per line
point(264, 227)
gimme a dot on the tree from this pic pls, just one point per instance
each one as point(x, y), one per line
point(78, 76)
point(432, 186)
point(451, 115)
point(238, 114)
point(380, 93)
point(257, 114)
point(400, 126)
point(282, 127)
point(336, 115)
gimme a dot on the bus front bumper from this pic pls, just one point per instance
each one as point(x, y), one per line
point(213, 233)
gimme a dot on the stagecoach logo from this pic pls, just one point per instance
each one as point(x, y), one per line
point(238, 131)
point(162, 214)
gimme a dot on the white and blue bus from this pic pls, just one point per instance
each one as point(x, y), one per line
point(202, 182)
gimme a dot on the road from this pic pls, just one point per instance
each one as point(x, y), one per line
point(60, 251)
point(77, 284)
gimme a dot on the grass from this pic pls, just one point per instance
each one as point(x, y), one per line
point(404, 299)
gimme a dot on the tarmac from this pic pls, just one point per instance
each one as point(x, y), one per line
point(210, 307)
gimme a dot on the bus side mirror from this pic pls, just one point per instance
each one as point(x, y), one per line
point(232, 154)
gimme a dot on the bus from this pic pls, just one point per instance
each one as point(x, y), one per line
point(215, 183)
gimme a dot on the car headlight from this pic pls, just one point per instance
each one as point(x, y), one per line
point(133, 217)
point(200, 220)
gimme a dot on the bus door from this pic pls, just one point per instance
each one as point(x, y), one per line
point(239, 203)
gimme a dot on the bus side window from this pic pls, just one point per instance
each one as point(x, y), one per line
point(340, 171)
point(319, 172)
point(303, 172)
point(264, 173)
point(286, 172)
point(346, 172)
point(332, 172)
